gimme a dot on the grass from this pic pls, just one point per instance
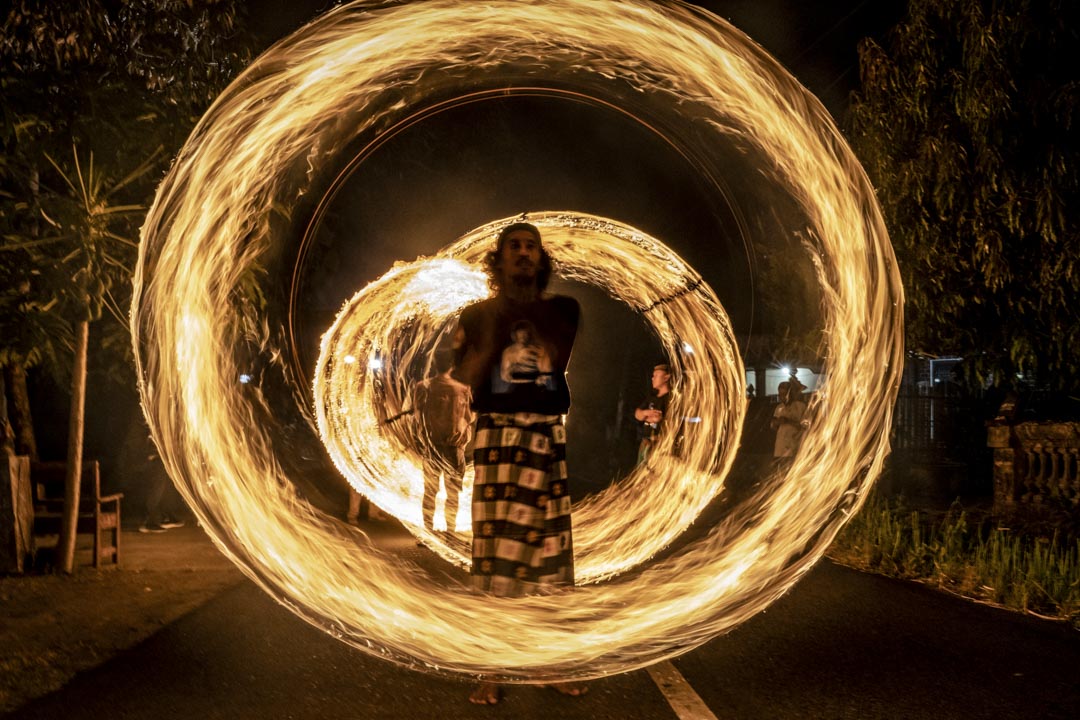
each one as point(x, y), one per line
point(1030, 568)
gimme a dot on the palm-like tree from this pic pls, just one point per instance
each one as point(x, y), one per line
point(123, 79)
point(66, 272)
point(88, 241)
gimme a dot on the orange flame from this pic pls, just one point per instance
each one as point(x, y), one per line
point(361, 68)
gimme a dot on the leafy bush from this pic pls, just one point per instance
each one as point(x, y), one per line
point(1015, 568)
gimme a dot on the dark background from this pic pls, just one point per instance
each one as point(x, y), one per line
point(472, 164)
point(476, 162)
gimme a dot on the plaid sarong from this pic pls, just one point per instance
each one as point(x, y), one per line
point(522, 539)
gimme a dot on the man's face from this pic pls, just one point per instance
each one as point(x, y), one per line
point(520, 256)
point(659, 379)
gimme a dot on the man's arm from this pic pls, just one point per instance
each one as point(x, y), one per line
point(457, 347)
point(473, 345)
point(641, 412)
point(788, 415)
point(569, 313)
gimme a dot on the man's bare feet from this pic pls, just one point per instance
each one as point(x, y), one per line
point(486, 694)
point(574, 689)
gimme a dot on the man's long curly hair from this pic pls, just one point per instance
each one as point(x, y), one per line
point(491, 260)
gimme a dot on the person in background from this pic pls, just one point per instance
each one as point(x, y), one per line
point(442, 410)
point(788, 420)
point(162, 499)
point(650, 413)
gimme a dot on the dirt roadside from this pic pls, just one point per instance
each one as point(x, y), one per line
point(53, 626)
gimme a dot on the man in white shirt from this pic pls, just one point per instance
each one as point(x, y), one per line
point(788, 421)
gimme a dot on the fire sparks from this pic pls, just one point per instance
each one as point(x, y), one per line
point(355, 73)
point(613, 531)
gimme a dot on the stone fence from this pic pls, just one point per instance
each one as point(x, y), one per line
point(1036, 468)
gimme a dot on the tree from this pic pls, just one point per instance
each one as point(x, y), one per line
point(118, 81)
point(96, 258)
point(34, 335)
point(964, 122)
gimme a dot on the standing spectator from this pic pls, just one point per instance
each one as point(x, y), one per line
point(650, 413)
point(442, 409)
point(162, 500)
point(788, 421)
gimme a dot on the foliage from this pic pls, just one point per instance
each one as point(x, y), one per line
point(97, 95)
point(88, 228)
point(123, 74)
point(964, 122)
point(33, 334)
point(1029, 572)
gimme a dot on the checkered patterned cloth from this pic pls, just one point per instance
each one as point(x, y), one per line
point(521, 505)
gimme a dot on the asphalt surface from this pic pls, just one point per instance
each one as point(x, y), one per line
point(841, 644)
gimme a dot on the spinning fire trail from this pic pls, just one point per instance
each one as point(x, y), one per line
point(355, 75)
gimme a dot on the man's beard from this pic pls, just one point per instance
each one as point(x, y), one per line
point(523, 274)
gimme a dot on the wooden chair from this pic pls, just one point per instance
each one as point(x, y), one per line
point(98, 514)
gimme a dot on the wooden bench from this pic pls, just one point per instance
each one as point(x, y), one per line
point(98, 514)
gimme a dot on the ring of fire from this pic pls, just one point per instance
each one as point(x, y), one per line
point(426, 295)
point(356, 70)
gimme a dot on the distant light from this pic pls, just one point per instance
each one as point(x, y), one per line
point(245, 378)
point(348, 359)
point(374, 364)
point(687, 349)
point(785, 369)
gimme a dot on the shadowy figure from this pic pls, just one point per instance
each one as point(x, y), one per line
point(441, 404)
point(163, 501)
point(789, 421)
point(359, 508)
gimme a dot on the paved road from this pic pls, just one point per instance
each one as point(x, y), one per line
point(842, 644)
